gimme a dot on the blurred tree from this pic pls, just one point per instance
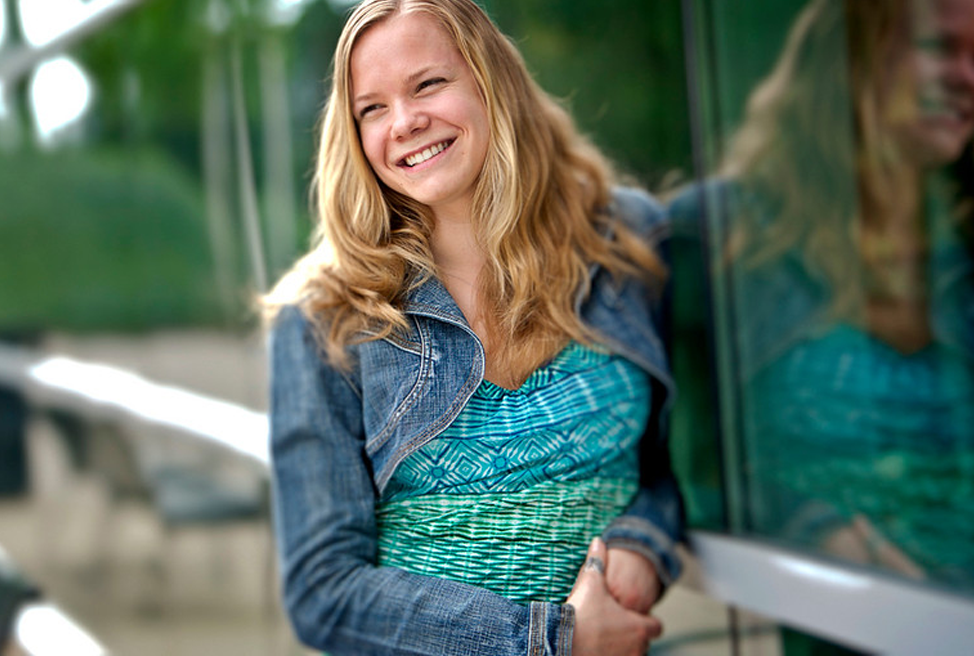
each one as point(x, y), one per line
point(204, 117)
point(101, 240)
point(620, 68)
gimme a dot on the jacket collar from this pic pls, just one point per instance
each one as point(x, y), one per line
point(431, 299)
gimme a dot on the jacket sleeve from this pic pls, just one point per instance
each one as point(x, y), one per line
point(654, 522)
point(336, 597)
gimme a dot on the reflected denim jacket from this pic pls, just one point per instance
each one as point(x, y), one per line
point(783, 301)
point(337, 437)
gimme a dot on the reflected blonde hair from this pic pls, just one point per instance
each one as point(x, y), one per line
point(817, 145)
point(539, 208)
point(797, 146)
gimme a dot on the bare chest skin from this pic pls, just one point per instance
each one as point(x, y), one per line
point(460, 261)
point(462, 284)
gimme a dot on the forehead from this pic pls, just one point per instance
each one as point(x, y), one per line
point(398, 47)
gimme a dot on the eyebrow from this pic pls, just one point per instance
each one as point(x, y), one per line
point(411, 79)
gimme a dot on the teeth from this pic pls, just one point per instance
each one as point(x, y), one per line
point(419, 158)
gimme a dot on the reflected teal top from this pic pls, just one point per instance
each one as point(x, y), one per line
point(508, 497)
point(845, 420)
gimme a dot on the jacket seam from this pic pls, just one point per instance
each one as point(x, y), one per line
point(435, 428)
point(408, 401)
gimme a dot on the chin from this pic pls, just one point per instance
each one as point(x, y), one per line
point(935, 150)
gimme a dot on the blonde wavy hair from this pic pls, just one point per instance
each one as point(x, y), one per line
point(539, 209)
point(816, 144)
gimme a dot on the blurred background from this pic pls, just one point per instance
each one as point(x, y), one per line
point(154, 165)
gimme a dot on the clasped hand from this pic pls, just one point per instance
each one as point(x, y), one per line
point(613, 594)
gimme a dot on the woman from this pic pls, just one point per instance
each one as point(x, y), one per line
point(465, 365)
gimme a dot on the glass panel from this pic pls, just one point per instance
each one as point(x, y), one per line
point(837, 216)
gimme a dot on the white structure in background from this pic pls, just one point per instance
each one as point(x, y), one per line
point(43, 630)
point(63, 380)
point(60, 94)
point(42, 21)
point(3, 22)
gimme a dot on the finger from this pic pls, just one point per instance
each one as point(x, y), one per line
point(594, 565)
point(654, 626)
point(595, 559)
point(649, 629)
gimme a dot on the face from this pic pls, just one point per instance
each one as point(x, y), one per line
point(421, 118)
point(942, 66)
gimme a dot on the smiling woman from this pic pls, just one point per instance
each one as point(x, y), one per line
point(422, 120)
point(466, 366)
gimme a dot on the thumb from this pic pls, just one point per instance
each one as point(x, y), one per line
point(595, 558)
point(594, 565)
point(591, 576)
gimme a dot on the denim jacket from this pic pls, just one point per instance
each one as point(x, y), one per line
point(337, 437)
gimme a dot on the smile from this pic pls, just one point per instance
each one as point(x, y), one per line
point(940, 108)
point(427, 154)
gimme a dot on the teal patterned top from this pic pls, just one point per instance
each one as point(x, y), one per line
point(847, 422)
point(508, 497)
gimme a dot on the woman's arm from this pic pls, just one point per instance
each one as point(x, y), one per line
point(654, 521)
point(336, 596)
point(649, 531)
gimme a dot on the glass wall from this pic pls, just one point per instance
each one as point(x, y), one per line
point(831, 228)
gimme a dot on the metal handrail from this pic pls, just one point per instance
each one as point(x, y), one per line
point(112, 394)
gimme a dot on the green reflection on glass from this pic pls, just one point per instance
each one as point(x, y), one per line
point(841, 212)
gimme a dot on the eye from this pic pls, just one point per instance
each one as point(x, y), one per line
point(368, 109)
point(433, 81)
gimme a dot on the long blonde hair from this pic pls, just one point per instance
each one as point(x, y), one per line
point(538, 208)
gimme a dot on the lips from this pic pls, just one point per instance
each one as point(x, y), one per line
point(426, 154)
point(953, 108)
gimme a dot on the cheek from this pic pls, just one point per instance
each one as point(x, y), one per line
point(372, 146)
point(929, 74)
point(477, 117)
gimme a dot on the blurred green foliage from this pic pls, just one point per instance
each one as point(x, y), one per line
point(111, 232)
point(620, 68)
point(105, 239)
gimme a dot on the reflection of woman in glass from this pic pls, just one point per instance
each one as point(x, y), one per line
point(849, 195)
point(466, 368)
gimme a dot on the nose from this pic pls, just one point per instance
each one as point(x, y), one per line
point(407, 119)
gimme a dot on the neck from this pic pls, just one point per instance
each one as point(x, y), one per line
point(455, 248)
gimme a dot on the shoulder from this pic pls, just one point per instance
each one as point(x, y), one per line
point(639, 211)
point(296, 348)
point(297, 330)
point(289, 320)
point(291, 335)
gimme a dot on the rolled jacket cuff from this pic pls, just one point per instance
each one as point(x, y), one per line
point(551, 629)
point(644, 538)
